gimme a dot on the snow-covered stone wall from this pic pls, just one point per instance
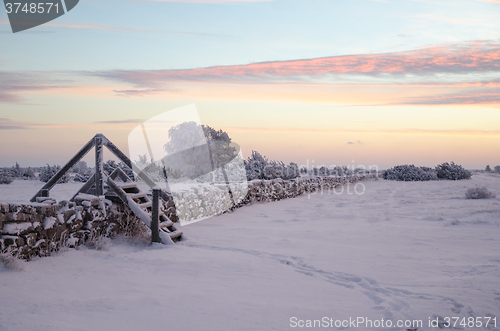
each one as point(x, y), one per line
point(38, 229)
point(209, 200)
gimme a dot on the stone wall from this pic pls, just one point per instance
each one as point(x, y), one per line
point(207, 200)
point(38, 229)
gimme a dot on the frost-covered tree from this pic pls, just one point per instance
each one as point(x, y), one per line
point(497, 169)
point(488, 169)
point(221, 149)
point(16, 171)
point(187, 150)
point(255, 165)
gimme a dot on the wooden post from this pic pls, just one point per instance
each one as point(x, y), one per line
point(155, 216)
point(45, 193)
point(98, 165)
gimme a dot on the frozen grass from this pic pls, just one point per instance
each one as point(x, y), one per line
point(10, 262)
point(99, 243)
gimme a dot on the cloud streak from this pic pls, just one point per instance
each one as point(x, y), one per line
point(14, 84)
point(466, 58)
point(492, 97)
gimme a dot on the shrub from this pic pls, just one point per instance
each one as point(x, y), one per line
point(452, 171)
point(28, 174)
point(324, 171)
point(479, 193)
point(497, 169)
point(82, 178)
point(80, 167)
point(48, 172)
point(259, 167)
point(410, 173)
point(341, 171)
point(5, 178)
point(488, 169)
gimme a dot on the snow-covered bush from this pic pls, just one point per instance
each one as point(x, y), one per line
point(18, 172)
point(497, 169)
point(5, 177)
point(82, 172)
point(340, 171)
point(291, 171)
point(82, 178)
point(259, 167)
point(479, 193)
point(488, 169)
point(452, 171)
point(324, 171)
point(410, 173)
point(48, 172)
point(28, 174)
point(80, 167)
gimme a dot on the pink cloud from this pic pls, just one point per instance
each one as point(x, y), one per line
point(465, 58)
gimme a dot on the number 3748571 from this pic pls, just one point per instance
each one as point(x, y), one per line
point(31, 8)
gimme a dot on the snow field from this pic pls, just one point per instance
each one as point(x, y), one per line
point(402, 250)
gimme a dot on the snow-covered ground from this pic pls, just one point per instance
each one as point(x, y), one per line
point(400, 251)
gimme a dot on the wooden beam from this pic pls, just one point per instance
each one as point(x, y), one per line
point(117, 152)
point(85, 187)
point(155, 230)
point(53, 181)
point(98, 164)
point(118, 172)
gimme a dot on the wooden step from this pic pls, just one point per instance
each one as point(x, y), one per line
point(124, 186)
point(137, 195)
point(166, 224)
point(175, 234)
point(145, 204)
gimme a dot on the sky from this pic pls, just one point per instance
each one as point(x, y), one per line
point(318, 82)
